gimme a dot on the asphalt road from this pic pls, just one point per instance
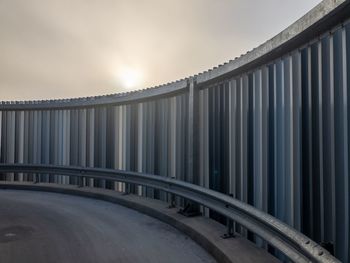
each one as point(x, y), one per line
point(38, 227)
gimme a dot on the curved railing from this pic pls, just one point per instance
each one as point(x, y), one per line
point(294, 245)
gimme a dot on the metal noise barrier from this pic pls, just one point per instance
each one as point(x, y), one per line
point(293, 244)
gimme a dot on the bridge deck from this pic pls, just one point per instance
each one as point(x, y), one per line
point(49, 227)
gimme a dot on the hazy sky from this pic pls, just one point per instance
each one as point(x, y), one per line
point(73, 48)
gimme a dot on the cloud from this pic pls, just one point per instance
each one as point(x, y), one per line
point(63, 48)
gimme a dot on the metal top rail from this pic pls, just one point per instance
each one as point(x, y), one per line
point(294, 245)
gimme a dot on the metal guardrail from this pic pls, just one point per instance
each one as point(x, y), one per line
point(294, 245)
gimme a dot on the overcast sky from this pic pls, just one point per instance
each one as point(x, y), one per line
point(74, 48)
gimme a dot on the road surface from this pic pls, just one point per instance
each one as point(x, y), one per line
point(39, 227)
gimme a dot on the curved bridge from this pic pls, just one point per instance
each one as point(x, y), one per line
point(270, 128)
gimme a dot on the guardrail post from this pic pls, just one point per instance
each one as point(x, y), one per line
point(80, 181)
point(127, 189)
point(35, 178)
point(230, 229)
point(172, 201)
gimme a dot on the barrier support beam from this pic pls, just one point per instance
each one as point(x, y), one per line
point(192, 175)
point(193, 133)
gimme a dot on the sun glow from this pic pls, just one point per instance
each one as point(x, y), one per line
point(130, 77)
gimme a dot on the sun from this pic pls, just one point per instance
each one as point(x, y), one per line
point(130, 77)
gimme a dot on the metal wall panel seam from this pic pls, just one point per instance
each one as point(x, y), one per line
point(332, 138)
point(264, 136)
point(289, 144)
point(296, 64)
point(320, 141)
